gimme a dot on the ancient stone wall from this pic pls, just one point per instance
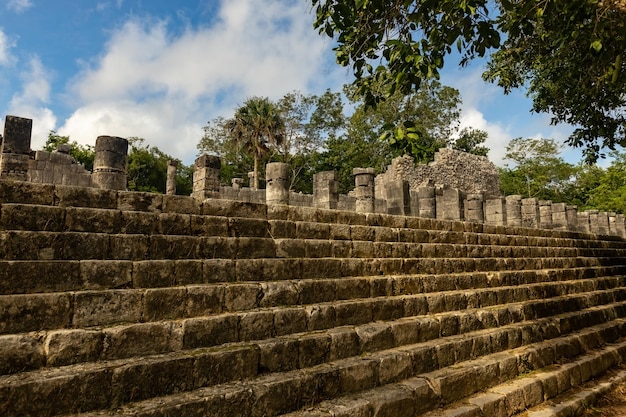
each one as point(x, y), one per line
point(466, 172)
point(57, 168)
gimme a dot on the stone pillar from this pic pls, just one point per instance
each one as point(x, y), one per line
point(326, 189)
point(251, 179)
point(427, 201)
point(398, 197)
point(514, 210)
point(364, 189)
point(572, 218)
point(594, 226)
point(475, 208)
point(15, 152)
point(451, 204)
point(612, 224)
point(603, 223)
point(496, 211)
point(559, 216)
point(109, 164)
point(620, 225)
point(170, 185)
point(545, 214)
point(530, 212)
point(206, 177)
point(583, 222)
point(277, 183)
point(236, 183)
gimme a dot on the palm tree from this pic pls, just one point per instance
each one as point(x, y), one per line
point(257, 126)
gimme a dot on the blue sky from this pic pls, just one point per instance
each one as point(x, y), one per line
point(160, 69)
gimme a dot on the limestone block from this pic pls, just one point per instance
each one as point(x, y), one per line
point(255, 247)
point(32, 217)
point(96, 274)
point(66, 347)
point(129, 247)
point(256, 325)
point(320, 317)
point(26, 192)
point(241, 226)
point(174, 224)
point(166, 376)
point(218, 270)
point(374, 337)
point(34, 312)
point(356, 376)
point(545, 214)
point(217, 247)
point(583, 224)
point(138, 201)
point(94, 308)
point(176, 247)
point(17, 135)
point(242, 297)
point(289, 321)
point(19, 353)
point(530, 212)
point(210, 331)
point(234, 209)
point(353, 312)
point(226, 365)
point(142, 339)
point(321, 268)
point(180, 204)
point(392, 401)
point(41, 276)
point(93, 220)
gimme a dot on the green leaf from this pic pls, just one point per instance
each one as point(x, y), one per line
point(596, 45)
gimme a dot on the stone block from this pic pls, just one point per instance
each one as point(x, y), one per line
point(425, 398)
point(96, 274)
point(95, 308)
point(344, 343)
point(238, 297)
point(290, 321)
point(66, 347)
point(374, 337)
point(353, 312)
point(393, 366)
point(139, 222)
point(39, 276)
point(175, 247)
point(227, 364)
point(357, 375)
point(278, 355)
point(180, 204)
point(256, 325)
point(392, 401)
point(274, 395)
point(320, 317)
point(255, 247)
point(142, 339)
point(93, 220)
point(139, 201)
point(174, 224)
point(34, 312)
point(20, 353)
point(210, 331)
point(164, 303)
point(26, 192)
point(314, 349)
point(166, 376)
point(32, 217)
point(204, 300)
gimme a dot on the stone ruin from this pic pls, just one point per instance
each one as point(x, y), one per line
point(118, 303)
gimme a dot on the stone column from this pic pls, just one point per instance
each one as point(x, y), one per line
point(170, 185)
point(612, 224)
point(572, 218)
point(364, 189)
point(530, 212)
point(559, 216)
point(603, 223)
point(277, 183)
point(427, 201)
point(452, 204)
point(15, 152)
point(109, 164)
point(475, 208)
point(251, 180)
point(236, 183)
point(620, 225)
point(514, 210)
point(326, 189)
point(594, 226)
point(545, 214)
point(206, 177)
point(583, 222)
point(496, 211)
point(398, 197)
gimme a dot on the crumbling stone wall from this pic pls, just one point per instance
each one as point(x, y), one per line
point(58, 168)
point(465, 172)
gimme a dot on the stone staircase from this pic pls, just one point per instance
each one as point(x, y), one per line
point(124, 303)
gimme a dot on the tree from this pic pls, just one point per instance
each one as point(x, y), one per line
point(470, 140)
point(539, 170)
point(256, 127)
point(568, 53)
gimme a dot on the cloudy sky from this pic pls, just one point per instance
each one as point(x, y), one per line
point(160, 69)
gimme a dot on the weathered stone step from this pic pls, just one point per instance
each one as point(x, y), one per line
point(361, 299)
point(19, 277)
point(574, 401)
point(30, 351)
point(347, 380)
point(495, 385)
point(29, 245)
point(113, 221)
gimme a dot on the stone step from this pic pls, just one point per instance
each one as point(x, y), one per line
point(499, 384)
point(32, 245)
point(351, 384)
point(443, 336)
point(573, 402)
point(14, 217)
point(46, 311)
point(20, 277)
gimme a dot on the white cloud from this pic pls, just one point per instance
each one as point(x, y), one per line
point(5, 46)
point(164, 87)
point(19, 6)
point(498, 137)
point(31, 102)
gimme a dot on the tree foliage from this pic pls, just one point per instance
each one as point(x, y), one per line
point(568, 53)
point(83, 154)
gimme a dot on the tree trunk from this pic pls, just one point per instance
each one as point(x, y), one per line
point(255, 184)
